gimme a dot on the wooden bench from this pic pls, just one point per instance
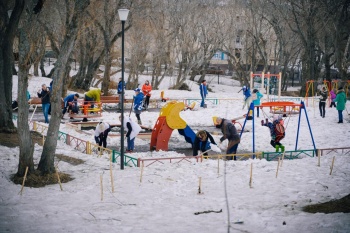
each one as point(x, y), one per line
point(87, 111)
point(113, 100)
point(34, 100)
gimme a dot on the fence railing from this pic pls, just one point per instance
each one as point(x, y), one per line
point(81, 145)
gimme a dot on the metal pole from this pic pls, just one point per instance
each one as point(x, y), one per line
point(122, 107)
point(218, 75)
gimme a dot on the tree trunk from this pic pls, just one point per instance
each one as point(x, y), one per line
point(26, 145)
point(7, 35)
point(42, 67)
point(107, 73)
point(46, 164)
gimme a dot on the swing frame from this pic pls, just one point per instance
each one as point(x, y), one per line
point(283, 104)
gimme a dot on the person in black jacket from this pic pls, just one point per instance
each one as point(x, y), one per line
point(44, 94)
point(201, 142)
point(323, 99)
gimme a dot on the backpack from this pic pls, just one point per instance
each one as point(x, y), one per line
point(279, 131)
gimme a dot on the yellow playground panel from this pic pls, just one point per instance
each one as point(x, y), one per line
point(171, 111)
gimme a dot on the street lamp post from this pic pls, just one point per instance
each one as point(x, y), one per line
point(218, 74)
point(123, 15)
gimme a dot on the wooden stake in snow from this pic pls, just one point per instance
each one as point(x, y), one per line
point(111, 173)
point(332, 165)
point(319, 157)
point(282, 157)
point(143, 163)
point(251, 175)
point(278, 165)
point(200, 185)
point(58, 178)
point(219, 164)
point(24, 180)
point(101, 187)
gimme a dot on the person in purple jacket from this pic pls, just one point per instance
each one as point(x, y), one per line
point(333, 96)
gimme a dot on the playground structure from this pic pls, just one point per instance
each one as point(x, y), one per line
point(268, 77)
point(85, 107)
point(168, 120)
point(310, 87)
point(285, 105)
point(281, 107)
point(337, 83)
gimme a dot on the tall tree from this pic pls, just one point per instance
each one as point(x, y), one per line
point(46, 164)
point(8, 28)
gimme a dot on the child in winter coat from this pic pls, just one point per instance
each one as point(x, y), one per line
point(101, 133)
point(133, 131)
point(277, 132)
point(146, 90)
point(256, 99)
point(333, 96)
point(138, 101)
point(247, 97)
point(201, 142)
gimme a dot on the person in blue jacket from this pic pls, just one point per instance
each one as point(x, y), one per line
point(256, 96)
point(120, 90)
point(203, 91)
point(70, 103)
point(247, 97)
point(201, 142)
point(138, 102)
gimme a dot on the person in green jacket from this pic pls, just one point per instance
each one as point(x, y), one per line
point(341, 100)
point(94, 95)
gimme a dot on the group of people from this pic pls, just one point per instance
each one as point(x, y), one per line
point(338, 97)
point(69, 103)
point(203, 139)
point(140, 99)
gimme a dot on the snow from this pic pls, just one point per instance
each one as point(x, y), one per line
point(167, 198)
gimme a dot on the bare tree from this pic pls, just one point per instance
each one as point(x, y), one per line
point(46, 164)
point(8, 28)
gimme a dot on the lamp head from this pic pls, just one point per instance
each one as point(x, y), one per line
point(123, 14)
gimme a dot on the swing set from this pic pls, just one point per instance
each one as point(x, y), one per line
point(310, 91)
point(283, 104)
point(268, 77)
point(346, 86)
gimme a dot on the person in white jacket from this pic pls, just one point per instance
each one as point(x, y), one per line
point(133, 130)
point(101, 133)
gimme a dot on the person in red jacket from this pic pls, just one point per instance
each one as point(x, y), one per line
point(146, 89)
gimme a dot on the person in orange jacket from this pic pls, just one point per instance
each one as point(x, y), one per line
point(146, 90)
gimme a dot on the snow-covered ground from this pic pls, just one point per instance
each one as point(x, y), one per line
point(167, 198)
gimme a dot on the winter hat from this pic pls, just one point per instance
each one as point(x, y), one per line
point(340, 88)
point(255, 90)
point(101, 127)
point(137, 89)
